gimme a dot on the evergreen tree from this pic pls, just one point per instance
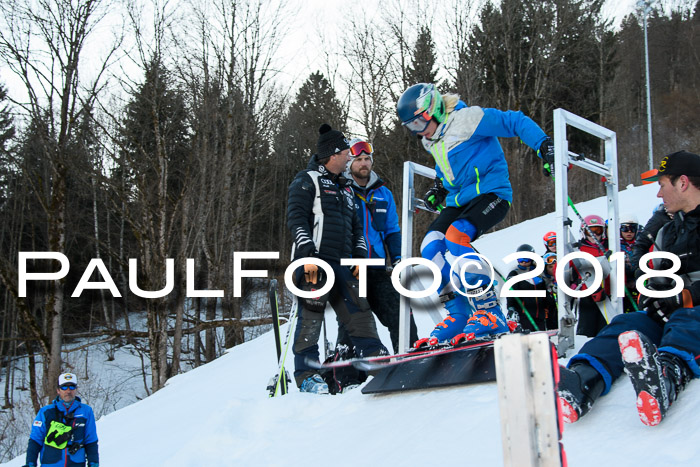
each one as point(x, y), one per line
point(316, 103)
point(155, 160)
point(535, 56)
point(7, 132)
point(422, 68)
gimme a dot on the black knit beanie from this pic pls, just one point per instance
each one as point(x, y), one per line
point(330, 142)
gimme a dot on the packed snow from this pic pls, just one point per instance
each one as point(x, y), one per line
point(220, 414)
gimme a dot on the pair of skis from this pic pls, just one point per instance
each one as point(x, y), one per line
point(383, 361)
point(280, 385)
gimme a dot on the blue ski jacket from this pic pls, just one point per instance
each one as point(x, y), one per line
point(380, 222)
point(54, 420)
point(469, 159)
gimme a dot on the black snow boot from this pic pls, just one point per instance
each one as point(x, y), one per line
point(579, 387)
point(657, 377)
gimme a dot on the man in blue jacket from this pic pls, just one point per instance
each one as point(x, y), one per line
point(64, 432)
point(473, 181)
point(380, 225)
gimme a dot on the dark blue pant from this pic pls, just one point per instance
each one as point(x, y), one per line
point(352, 311)
point(384, 301)
point(679, 336)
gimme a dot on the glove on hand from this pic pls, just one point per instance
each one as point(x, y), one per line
point(311, 273)
point(664, 307)
point(435, 196)
point(546, 153)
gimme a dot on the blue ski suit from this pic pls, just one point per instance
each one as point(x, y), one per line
point(472, 167)
point(55, 419)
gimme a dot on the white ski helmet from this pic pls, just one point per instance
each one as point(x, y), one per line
point(628, 218)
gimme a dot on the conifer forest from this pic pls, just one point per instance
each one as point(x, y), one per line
point(141, 134)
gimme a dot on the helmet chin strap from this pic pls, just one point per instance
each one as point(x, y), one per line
point(441, 127)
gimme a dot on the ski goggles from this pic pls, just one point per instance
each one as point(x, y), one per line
point(361, 147)
point(66, 387)
point(419, 123)
point(629, 228)
point(551, 243)
point(550, 260)
point(596, 229)
point(524, 260)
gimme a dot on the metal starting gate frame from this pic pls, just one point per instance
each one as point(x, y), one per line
point(563, 159)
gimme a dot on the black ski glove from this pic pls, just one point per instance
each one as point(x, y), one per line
point(546, 153)
point(664, 307)
point(435, 196)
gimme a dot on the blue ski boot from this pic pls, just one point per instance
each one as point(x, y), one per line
point(314, 384)
point(486, 321)
point(458, 311)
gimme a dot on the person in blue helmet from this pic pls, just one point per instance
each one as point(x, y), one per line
point(474, 183)
point(64, 432)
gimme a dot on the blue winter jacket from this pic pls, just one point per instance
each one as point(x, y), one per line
point(80, 418)
point(469, 159)
point(380, 222)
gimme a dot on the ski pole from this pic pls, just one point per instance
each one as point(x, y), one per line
point(282, 372)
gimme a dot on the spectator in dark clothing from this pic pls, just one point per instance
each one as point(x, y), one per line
point(629, 228)
point(324, 224)
point(659, 346)
point(530, 312)
point(645, 237)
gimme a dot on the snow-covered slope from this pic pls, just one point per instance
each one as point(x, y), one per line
point(220, 414)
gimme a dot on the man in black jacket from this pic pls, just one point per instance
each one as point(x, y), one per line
point(659, 346)
point(324, 224)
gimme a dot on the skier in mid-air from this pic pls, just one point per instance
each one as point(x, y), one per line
point(473, 181)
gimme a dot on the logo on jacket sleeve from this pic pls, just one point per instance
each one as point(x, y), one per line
point(37, 423)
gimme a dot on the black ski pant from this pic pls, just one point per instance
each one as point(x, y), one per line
point(351, 310)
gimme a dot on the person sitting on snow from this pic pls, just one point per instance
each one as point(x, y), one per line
point(659, 346)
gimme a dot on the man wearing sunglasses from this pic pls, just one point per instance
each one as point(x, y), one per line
point(380, 226)
point(324, 224)
point(473, 182)
point(659, 346)
point(64, 432)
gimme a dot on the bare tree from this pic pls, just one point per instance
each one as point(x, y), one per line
point(42, 43)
